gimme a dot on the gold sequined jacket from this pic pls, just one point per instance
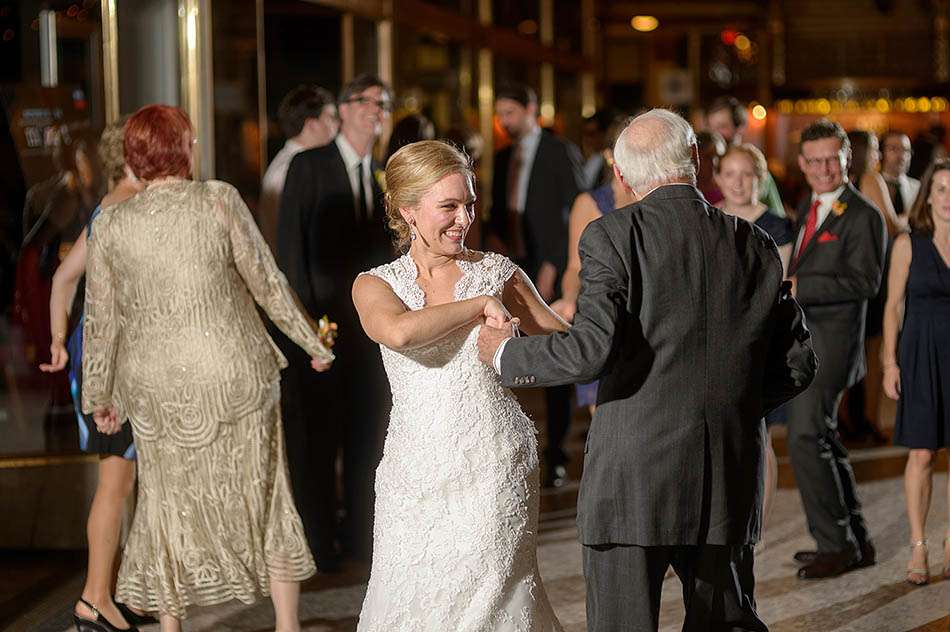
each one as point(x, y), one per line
point(172, 337)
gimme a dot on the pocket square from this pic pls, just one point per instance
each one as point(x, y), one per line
point(826, 236)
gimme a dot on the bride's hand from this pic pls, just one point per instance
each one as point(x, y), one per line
point(495, 314)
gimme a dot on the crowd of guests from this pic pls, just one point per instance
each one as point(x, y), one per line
point(281, 464)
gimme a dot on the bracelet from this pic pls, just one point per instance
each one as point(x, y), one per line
point(889, 365)
point(59, 337)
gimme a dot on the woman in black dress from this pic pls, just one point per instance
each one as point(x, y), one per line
point(917, 372)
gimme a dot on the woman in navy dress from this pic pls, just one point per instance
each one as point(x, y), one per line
point(740, 173)
point(917, 370)
point(587, 207)
point(116, 452)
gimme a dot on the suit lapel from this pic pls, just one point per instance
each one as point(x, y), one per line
point(534, 174)
point(830, 222)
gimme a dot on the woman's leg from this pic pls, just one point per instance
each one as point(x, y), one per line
point(170, 623)
point(116, 479)
point(918, 482)
point(286, 598)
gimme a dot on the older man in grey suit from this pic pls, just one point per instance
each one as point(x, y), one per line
point(684, 318)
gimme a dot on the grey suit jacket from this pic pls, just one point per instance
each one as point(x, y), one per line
point(684, 318)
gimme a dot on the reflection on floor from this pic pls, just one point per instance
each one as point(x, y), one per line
point(870, 600)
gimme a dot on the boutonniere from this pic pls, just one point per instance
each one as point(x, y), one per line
point(827, 236)
point(838, 208)
point(380, 176)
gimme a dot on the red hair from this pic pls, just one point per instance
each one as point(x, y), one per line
point(156, 144)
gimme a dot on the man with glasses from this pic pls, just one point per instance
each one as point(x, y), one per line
point(895, 161)
point(331, 226)
point(835, 269)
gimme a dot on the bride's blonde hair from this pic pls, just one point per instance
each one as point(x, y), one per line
point(411, 172)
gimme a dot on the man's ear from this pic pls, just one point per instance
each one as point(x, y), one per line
point(694, 154)
point(623, 183)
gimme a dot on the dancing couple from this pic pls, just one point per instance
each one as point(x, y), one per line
point(684, 318)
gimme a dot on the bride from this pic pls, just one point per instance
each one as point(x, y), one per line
point(454, 543)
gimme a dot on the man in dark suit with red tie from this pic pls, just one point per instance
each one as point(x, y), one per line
point(330, 227)
point(835, 269)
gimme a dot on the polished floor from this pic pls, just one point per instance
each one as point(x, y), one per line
point(870, 600)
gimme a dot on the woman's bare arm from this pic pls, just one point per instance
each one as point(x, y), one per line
point(523, 301)
point(896, 290)
point(875, 189)
point(387, 320)
point(583, 213)
point(65, 281)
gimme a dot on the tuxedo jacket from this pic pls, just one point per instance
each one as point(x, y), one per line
point(683, 317)
point(837, 273)
point(321, 243)
point(556, 179)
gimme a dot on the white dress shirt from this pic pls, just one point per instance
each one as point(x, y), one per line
point(825, 202)
point(272, 187)
point(909, 188)
point(529, 149)
point(352, 161)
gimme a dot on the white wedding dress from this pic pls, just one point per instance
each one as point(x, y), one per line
point(454, 546)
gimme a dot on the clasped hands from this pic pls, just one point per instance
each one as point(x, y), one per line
point(498, 325)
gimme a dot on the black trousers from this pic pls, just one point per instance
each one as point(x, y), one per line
point(624, 583)
point(823, 472)
point(558, 400)
point(324, 413)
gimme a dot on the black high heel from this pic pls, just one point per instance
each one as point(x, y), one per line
point(132, 617)
point(101, 624)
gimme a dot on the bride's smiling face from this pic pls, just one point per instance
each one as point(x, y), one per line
point(443, 216)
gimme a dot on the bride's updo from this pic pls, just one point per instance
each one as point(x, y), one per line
point(411, 172)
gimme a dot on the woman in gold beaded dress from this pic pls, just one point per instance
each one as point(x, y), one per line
point(174, 344)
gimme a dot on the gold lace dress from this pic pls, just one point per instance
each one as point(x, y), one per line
point(174, 342)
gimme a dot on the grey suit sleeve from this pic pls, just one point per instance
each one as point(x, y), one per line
point(581, 353)
point(791, 363)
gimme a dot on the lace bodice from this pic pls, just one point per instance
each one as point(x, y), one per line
point(456, 491)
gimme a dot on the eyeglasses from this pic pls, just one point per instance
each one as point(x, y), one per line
point(826, 161)
point(386, 106)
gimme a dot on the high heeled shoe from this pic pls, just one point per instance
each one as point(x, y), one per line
point(132, 616)
point(100, 624)
point(918, 576)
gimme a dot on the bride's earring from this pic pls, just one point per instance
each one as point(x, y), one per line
point(412, 233)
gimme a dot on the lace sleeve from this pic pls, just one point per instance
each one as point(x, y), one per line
point(267, 283)
point(501, 267)
point(100, 329)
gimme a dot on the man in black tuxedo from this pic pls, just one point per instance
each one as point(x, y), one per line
point(536, 180)
point(684, 318)
point(835, 269)
point(331, 226)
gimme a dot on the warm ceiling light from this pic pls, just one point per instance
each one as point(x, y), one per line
point(742, 43)
point(759, 112)
point(644, 23)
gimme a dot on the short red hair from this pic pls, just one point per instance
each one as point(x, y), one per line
point(155, 143)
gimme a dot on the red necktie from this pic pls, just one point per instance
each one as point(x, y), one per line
point(811, 225)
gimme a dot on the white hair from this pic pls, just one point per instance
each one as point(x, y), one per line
point(656, 148)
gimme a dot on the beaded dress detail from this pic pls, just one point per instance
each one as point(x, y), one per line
point(457, 488)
